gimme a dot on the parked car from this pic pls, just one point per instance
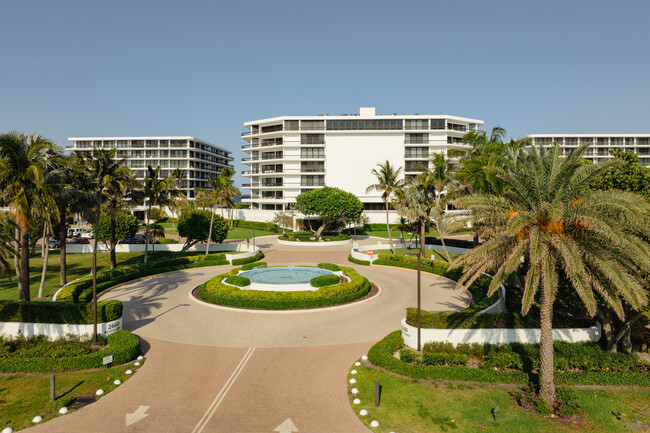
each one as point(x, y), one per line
point(86, 234)
point(138, 239)
point(75, 232)
point(79, 241)
point(53, 243)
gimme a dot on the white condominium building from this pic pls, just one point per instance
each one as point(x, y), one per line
point(601, 144)
point(197, 159)
point(289, 155)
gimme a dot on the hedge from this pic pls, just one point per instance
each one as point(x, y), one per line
point(123, 345)
point(218, 293)
point(325, 280)
point(238, 281)
point(357, 261)
point(81, 289)
point(256, 257)
point(475, 320)
point(310, 237)
point(254, 265)
point(381, 355)
point(452, 242)
point(269, 227)
point(58, 312)
point(329, 266)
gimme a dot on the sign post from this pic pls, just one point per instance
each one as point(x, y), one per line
point(107, 360)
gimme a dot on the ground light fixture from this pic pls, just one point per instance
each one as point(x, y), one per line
point(419, 298)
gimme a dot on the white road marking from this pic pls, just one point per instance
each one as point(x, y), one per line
point(132, 418)
point(286, 427)
point(224, 390)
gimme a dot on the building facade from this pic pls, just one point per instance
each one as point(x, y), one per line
point(601, 144)
point(289, 155)
point(197, 159)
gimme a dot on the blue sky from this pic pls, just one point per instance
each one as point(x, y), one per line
point(90, 68)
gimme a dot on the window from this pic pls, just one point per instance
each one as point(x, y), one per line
point(543, 141)
point(312, 125)
point(603, 141)
point(137, 143)
point(374, 206)
point(272, 128)
point(164, 143)
point(312, 166)
point(584, 140)
point(291, 125)
point(570, 141)
point(272, 155)
point(629, 141)
point(416, 165)
point(152, 143)
point(272, 141)
point(316, 152)
point(137, 154)
point(84, 144)
point(437, 123)
point(109, 144)
point(351, 125)
point(177, 153)
point(559, 140)
point(643, 141)
point(451, 140)
point(416, 138)
point(457, 127)
point(178, 143)
point(616, 141)
point(151, 154)
point(312, 138)
point(311, 180)
point(416, 124)
point(417, 152)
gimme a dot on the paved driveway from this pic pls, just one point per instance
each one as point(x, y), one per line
point(212, 369)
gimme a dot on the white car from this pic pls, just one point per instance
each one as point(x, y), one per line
point(87, 234)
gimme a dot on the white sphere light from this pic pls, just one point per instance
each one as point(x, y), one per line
point(140, 358)
point(374, 424)
point(356, 401)
point(99, 392)
point(354, 391)
point(37, 419)
point(8, 430)
point(117, 382)
point(364, 357)
point(64, 410)
point(357, 363)
point(137, 364)
point(128, 372)
point(353, 381)
point(353, 372)
point(363, 412)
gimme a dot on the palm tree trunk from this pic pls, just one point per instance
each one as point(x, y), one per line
point(46, 252)
point(44, 234)
point(113, 238)
point(442, 240)
point(146, 233)
point(475, 239)
point(207, 248)
point(94, 272)
point(63, 278)
point(24, 262)
point(422, 249)
point(19, 274)
point(390, 238)
point(547, 387)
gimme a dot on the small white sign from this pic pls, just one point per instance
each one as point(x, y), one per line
point(107, 359)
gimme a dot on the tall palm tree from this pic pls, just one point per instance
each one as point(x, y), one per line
point(549, 223)
point(214, 196)
point(158, 191)
point(25, 160)
point(121, 189)
point(419, 200)
point(387, 181)
point(229, 191)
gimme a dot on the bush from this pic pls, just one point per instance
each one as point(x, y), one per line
point(58, 312)
point(310, 237)
point(566, 401)
point(123, 345)
point(325, 280)
point(329, 266)
point(460, 243)
point(357, 261)
point(254, 265)
point(167, 241)
point(269, 227)
point(476, 320)
point(218, 293)
point(256, 257)
point(238, 281)
point(81, 289)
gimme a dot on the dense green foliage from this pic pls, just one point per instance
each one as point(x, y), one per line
point(218, 293)
point(194, 225)
point(81, 289)
point(122, 345)
point(238, 281)
point(358, 262)
point(267, 227)
point(245, 260)
point(254, 265)
point(58, 312)
point(329, 266)
point(628, 175)
point(126, 226)
point(330, 205)
point(450, 242)
point(325, 280)
point(310, 237)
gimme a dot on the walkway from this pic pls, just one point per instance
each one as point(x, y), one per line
point(216, 370)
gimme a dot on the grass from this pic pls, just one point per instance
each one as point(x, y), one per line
point(22, 397)
point(394, 234)
point(414, 406)
point(429, 254)
point(78, 265)
point(240, 233)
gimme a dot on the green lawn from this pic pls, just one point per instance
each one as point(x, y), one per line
point(240, 233)
point(436, 255)
point(411, 406)
point(22, 397)
point(394, 234)
point(78, 266)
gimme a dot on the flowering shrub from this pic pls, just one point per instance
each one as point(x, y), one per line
point(565, 403)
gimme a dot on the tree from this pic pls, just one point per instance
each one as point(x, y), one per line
point(284, 219)
point(194, 226)
point(549, 222)
point(126, 226)
point(156, 231)
point(387, 181)
point(158, 192)
point(330, 205)
point(24, 162)
point(418, 200)
point(211, 198)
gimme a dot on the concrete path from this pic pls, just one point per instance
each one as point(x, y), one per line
point(210, 369)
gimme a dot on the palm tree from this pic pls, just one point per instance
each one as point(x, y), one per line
point(387, 181)
point(549, 223)
point(157, 231)
point(419, 200)
point(214, 196)
point(121, 189)
point(25, 159)
point(230, 191)
point(158, 192)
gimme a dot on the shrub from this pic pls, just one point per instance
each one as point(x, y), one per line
point(325, 280)
point(123, 345)
point(566, 401)
point(329, 266)
point(238, 281)
point(450, 242)
point(310, 237)
point(218, 293)
point(269, 227)
point(255, 265)
point(256, 257)
point(357, 261)
point(408, 356)
point(168, 241)
point(58, 312)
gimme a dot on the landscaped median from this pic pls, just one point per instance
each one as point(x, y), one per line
point(216, 291)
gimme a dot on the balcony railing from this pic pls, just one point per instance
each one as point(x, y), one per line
point(245, 133)
point(245, 146)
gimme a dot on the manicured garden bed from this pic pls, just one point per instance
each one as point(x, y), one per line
point(215, 291)
point(310, 237)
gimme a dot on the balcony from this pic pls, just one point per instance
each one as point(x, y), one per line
point(245, 146)
point(245, 133)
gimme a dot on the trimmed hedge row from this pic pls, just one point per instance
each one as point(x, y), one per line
point(218, 293)
point(460, 243)
point(357, 261)
point(307, 237)
point(238, 281)
point(329, 266)
point(256, 257)
point(325, 280)
point(123, 345)
point(254, 265)
point(58, 312)
point(269, 227)
point(381, 355)
point(475, 320)
point(81, 290)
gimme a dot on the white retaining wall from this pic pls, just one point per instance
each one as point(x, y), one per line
point(57, 330)
point(495, 335)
